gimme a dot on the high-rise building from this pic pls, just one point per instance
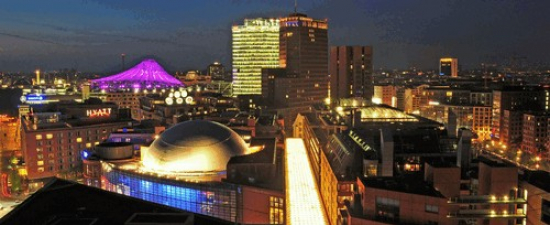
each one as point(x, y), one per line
point(304, 54)
point(448, 67)
point(351, 72)
point(255, 46)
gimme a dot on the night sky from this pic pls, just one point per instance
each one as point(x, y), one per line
point(190, 34)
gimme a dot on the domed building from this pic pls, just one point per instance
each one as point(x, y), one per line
point(193, 147)
point(186, 167)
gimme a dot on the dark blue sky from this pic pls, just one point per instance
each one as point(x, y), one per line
point(90, 35)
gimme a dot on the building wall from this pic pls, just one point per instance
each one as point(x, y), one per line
point(328, 188)
point(496, 180)
point(446, 180)
point(262, 206)
point(535, 197)
point(412, 207)
point(52, 151)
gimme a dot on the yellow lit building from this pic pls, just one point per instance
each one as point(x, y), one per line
point(255, 46)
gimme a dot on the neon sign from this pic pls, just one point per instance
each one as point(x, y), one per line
point(104, 112)
point(35, 98)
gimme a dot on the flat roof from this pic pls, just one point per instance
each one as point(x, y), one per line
point(412, 184)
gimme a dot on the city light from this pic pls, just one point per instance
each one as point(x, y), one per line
point(304, 204)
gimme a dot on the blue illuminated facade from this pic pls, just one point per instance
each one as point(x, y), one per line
point(212, 198)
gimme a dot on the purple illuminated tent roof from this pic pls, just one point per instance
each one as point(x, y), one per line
point(147, 72)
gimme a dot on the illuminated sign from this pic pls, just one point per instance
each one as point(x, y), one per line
point(35, 97)
point(104, 112)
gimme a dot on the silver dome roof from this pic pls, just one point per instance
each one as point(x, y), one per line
point(195, 146)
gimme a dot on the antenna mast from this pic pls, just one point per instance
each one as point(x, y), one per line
point(295, 6)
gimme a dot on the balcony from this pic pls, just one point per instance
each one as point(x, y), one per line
point(485, 214)
point(485, 199)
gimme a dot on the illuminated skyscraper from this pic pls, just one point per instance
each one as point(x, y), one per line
point(304, 54)
point(448, 67)
point(255, 46)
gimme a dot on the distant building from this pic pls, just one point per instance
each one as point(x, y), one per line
point(351, 72)
point(448, 67)
point(255, 46)
point(216, 70)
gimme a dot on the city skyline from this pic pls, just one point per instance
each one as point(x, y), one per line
point(91, 35)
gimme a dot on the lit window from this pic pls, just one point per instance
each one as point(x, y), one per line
point(79, 140)
point(40, 163)
point(49, 136)
point(40, 169)
point(88, 145)
point(39, 137)
point(276, 213)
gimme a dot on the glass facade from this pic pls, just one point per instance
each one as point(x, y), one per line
point(214, 199)
point(255, 46)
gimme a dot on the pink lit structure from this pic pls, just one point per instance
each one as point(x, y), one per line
point(147, 74)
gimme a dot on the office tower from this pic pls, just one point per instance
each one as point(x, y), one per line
point(304, 54)
point(255, 46)
point(448, 67)
point(351, 72)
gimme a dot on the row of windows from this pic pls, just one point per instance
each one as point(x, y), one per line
point(70, 134)
point(60, 168)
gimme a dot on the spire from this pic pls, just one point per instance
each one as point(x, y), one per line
point(295, 6)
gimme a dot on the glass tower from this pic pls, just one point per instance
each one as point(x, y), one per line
point(255, 46)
